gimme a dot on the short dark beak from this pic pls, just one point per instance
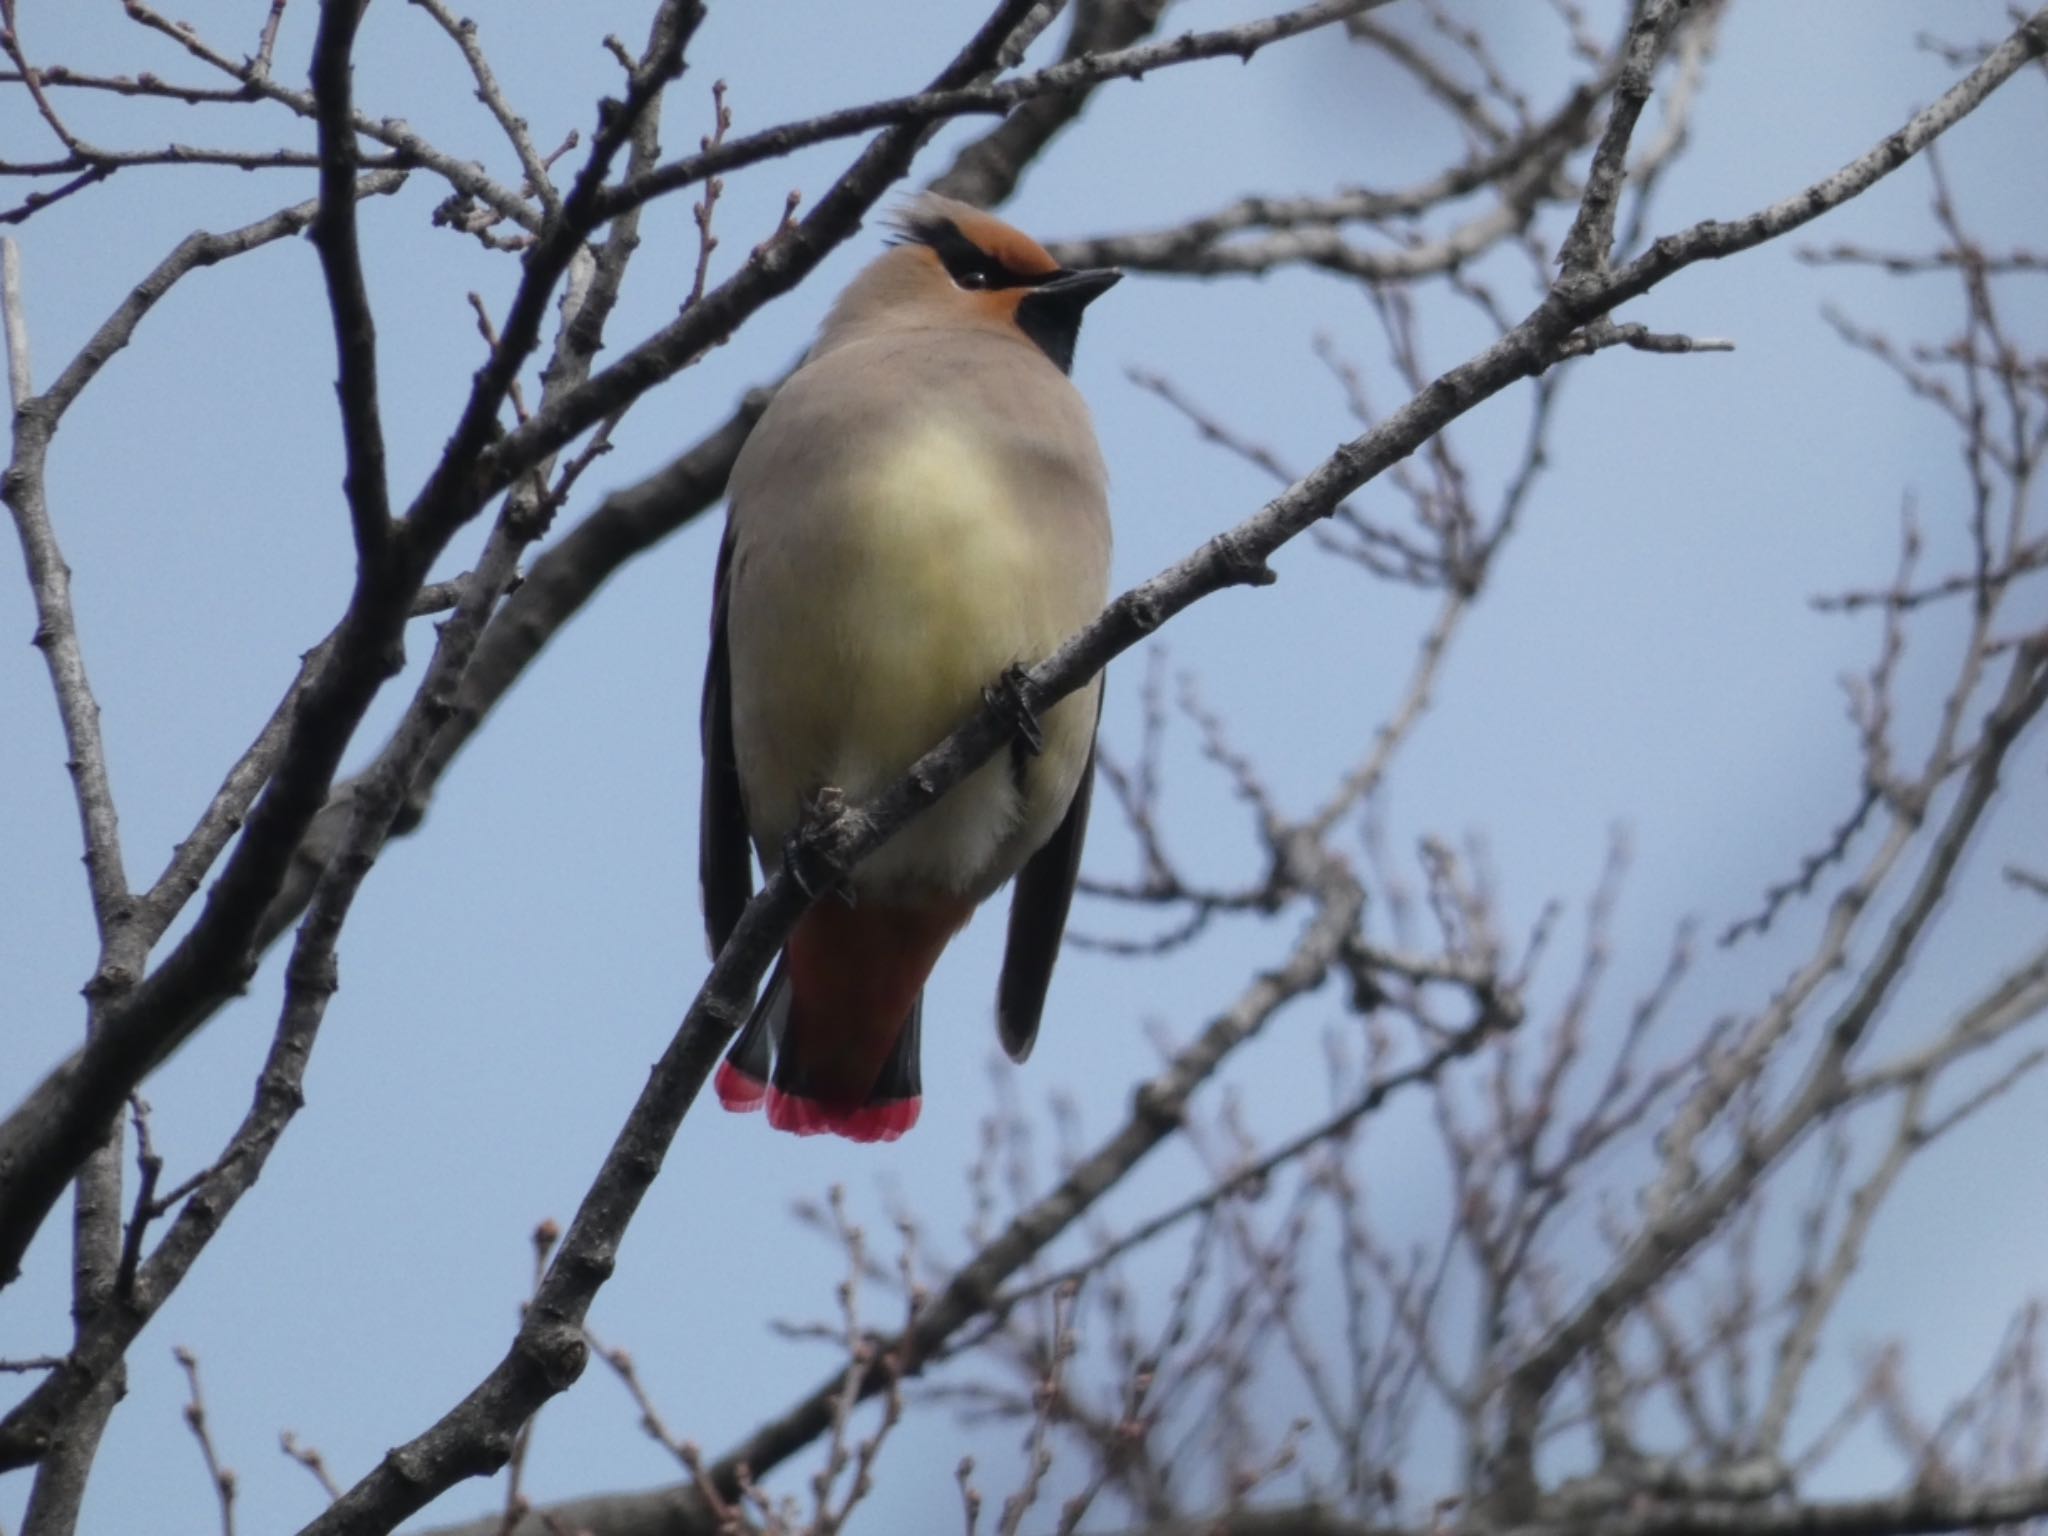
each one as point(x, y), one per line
point(1078, 290)
point(1050, 312)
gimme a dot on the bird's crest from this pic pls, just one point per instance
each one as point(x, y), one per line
point(976, 248)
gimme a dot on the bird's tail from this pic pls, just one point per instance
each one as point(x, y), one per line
point(833, 1044)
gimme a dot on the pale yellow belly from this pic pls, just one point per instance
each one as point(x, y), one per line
point(863, 632)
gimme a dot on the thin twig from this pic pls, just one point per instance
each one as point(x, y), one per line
point(464, 33)
point(310, 1458)
point(701, 211)
point(223, 1478)
point(1239, 42)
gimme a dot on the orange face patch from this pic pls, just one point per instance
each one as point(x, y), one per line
point(1011, 247)
point(977, 249)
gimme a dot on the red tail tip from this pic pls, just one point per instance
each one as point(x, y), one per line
point(883, 1120)
point(737, 1091)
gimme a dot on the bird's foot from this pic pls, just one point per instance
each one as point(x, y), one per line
point(815, 853)
point(1011, 695)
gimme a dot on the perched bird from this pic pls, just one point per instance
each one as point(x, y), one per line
point(921, 508)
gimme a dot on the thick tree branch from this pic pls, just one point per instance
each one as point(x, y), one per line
point(631, 520)
point(59, 1492)
point(367, 816)
point(555, 591)
point(1573, 320)
point(1920, 1511)
point(561, 580)
point(478, 1435)
point(1233, 558)
point(1157, 1110)
point(985, 172)
point(55, 1499)
point(216, 955)
point(30, 1180)
point(364, 481)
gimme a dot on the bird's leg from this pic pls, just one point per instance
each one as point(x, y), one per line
point(814, 854)
point(1010, 694)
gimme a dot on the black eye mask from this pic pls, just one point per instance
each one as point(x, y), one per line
point(968, 264)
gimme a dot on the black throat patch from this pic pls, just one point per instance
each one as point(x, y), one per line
point(1053, 320)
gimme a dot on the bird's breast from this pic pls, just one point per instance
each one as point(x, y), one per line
point(869, 613)
point(951, 571)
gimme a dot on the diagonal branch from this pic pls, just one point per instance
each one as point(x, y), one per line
point(368, 813)
point(1233, 558)
point(1923, 1510)
point(985, 172)
point(1674, 1230)
point(1712, 240)
point(1157, 1110)
point(634, 518)
point(254, 76)
point(216, 955)
point(463, 31)
point(27, 1187)
point(548, 1352)
point(934, 105)
point(40, 1139)
point(479, 1434)
point(1254, 1174)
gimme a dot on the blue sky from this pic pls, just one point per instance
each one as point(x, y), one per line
point(1646, 658)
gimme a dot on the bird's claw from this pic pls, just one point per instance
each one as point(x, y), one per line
point(814, 853)
point(1010, 694)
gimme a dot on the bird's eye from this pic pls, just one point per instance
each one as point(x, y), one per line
point(972, 279)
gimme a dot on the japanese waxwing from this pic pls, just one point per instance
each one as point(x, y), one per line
point(921, 507)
